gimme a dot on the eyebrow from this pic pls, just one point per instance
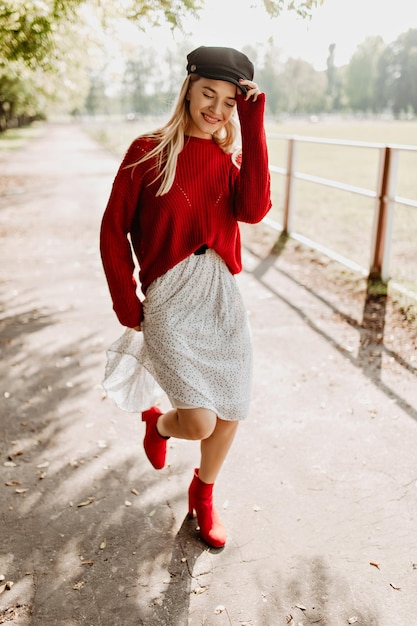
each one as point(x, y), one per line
point(214, 91)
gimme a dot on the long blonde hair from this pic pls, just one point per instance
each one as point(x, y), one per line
point(170, 139)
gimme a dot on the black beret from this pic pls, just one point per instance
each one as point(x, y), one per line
point(220, 64)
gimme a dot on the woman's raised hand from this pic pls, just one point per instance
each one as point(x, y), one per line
point(253, 90)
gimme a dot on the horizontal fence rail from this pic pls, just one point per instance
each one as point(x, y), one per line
point(384, 195)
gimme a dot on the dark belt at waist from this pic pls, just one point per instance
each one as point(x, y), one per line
point(202, 249)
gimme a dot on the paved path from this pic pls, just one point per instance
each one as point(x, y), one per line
point(321, 481)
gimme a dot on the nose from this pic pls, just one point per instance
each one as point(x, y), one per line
point(215, 106)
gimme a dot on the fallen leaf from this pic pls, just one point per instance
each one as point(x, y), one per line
point(219, 609)
point(374, 564)
point(352, 620)
point(43, 465)
point(152, 513)
point(199, 590)
point(288, 618)
point(128, 503)
point(301, 607)
point(9, 464)
point(256, 508)
point(86, 502)
point(394, 587)
point(90, 562)
point(135, 492)
point(13, 483)
point(103, 544)
point(24, 490)
point(78, 585)
point(7, 586)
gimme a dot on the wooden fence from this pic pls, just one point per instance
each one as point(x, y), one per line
point(384, 196)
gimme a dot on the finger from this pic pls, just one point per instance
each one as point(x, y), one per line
point(253, 90)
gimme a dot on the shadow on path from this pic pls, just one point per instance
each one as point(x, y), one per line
point(371, 349)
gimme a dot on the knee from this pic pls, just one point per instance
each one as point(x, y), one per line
point(197, 424)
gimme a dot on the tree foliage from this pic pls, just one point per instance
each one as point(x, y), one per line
point(37, 51)
point(46, 55)
point(362, 75)
point(401, 88)
point(304, 8)
point(30, 30)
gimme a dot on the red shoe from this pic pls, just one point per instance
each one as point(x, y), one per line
point(200, 500)
point(155, 444)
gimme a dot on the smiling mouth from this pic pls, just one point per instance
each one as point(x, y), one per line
point(211, 120)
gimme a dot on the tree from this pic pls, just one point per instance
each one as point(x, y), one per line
point(362, 73)
point(396, 83)
point(267, 75)
point(302, 89)
point(333, 80)
point(30, 30)
point(404, 73)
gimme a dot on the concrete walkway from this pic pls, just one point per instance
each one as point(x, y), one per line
point(318, 495)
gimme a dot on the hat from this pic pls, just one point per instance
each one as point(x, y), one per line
point(220, 64)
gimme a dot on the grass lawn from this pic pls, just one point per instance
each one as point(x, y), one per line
point(340, 220)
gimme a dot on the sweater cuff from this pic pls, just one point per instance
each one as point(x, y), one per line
point(251, 114)
point(132, 317)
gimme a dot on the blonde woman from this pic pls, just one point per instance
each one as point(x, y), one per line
point(176, 202)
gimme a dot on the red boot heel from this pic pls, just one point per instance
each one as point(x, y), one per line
point(155, 445)
point(200, 500)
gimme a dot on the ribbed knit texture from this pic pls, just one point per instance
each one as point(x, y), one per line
point(209, 196)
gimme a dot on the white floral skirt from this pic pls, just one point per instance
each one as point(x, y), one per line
point(195, 345)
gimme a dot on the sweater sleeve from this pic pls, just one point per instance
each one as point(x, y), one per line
point(253, 184)
point(115, 248)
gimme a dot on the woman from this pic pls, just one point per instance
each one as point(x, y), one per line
point(178, 196)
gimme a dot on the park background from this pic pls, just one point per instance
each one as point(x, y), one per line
point(330, 68)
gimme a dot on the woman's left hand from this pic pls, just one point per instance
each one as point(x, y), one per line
point(253, 90)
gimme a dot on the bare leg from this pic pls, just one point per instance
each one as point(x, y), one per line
point(214, 450)
point(216, 436)
point(196, 423)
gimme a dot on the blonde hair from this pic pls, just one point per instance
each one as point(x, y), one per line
point(170, 139)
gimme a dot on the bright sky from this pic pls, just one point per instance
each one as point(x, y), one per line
point(345, 22)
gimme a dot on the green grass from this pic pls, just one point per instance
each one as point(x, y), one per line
point(14, 138)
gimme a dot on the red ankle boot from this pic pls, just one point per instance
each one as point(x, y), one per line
point(200, 500)
point(155, 444)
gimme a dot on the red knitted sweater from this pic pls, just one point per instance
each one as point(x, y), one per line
point(209, 196)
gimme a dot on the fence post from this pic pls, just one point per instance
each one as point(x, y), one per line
point(289, 186)
point(384, 215)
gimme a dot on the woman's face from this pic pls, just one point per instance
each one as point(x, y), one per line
point(211, 103)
